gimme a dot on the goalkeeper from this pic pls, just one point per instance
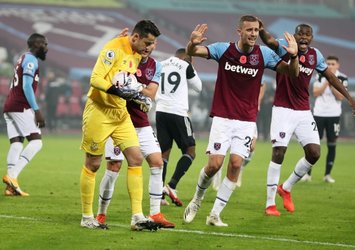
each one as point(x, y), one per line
point(148, 73)
point(105, 115)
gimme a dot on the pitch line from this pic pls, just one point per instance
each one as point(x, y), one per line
point(199, 232)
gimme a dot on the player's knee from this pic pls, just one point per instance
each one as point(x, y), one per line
point(114, 166)
point(278, 154)
point(313, 156)
point(312, 153)
point(93, 162)
point(191, 152)
point(155, 160)
point(135, 160)
point(212, 168)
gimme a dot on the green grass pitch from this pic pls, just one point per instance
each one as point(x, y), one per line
point(50, 217)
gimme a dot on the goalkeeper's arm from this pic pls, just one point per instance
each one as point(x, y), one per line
point(125, 93)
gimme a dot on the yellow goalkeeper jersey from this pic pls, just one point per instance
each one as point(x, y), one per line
point(117, 55)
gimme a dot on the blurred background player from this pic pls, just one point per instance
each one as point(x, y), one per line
point(235, 106)
point(217, 178)
point(291, 114)
point(326, 112)
point(22, 114)
point(148, 73)
point(106, 109)
point(172, 120)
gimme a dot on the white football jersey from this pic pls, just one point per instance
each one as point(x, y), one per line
point(326, 105)
point(176, 77)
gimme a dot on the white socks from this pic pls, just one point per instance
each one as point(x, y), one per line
point(12, 158)
point(31, 149)
point(273, 177)
point(107, 187)
point(155, 189)
point(224, 193)
point(302, 167)
point(202, 184)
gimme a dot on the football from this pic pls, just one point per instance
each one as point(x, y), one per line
point(127, 80)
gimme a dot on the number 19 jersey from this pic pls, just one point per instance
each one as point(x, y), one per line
point(172, 95)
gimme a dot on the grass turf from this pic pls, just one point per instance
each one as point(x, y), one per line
point(50, 217)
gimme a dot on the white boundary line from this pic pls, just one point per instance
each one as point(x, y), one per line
point(199, 232)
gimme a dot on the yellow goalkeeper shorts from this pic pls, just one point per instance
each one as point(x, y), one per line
point(99, 123)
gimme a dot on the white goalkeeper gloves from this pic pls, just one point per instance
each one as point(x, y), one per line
point(145, 103)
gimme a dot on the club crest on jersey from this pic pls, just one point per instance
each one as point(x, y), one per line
point(149, 73)
point(311, 59)
point(217, 146)
point(282, 134)
point(116, 150)
point(254, 59)
point(93, 146)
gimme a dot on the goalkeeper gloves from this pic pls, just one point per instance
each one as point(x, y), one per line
point(145, 103)
point(125, 93)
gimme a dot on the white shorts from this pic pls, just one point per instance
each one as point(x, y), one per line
point(21, 123)
point(230, 134)
point(286, 122)
point(148, 142)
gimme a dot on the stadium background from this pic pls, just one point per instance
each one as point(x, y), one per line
point(76, 31)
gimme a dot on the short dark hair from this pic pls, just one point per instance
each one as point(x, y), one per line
point(247, 18)
point(33, 39)
point(181, 51)
point(335, 58)
point(303, 25)
point(146, 27)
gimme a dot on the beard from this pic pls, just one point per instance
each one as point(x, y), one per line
point(41, 54)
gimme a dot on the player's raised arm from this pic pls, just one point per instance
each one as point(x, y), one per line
point(267, 38)
point(197, 37)
point(334, 81)
point(292, 68)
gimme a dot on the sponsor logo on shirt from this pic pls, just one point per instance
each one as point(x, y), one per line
point(241, 69)
point(305, 70)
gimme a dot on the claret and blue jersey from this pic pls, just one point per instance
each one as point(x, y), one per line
point(239, 79)
point(24, 85)
point(293, 92)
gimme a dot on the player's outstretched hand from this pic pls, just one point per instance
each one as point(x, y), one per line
point(197, 36)
point(292, 44)
point(145, 103)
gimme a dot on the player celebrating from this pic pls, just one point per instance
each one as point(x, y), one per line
point(148, 73)
point(235, 105)
point(22, 114)
point(172, 120)
point(291, 114)
point(106, 109)
point(326, 112)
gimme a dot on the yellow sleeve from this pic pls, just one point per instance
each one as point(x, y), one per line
point(99, 77)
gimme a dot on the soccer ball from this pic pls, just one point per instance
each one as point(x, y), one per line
point(127, 80)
